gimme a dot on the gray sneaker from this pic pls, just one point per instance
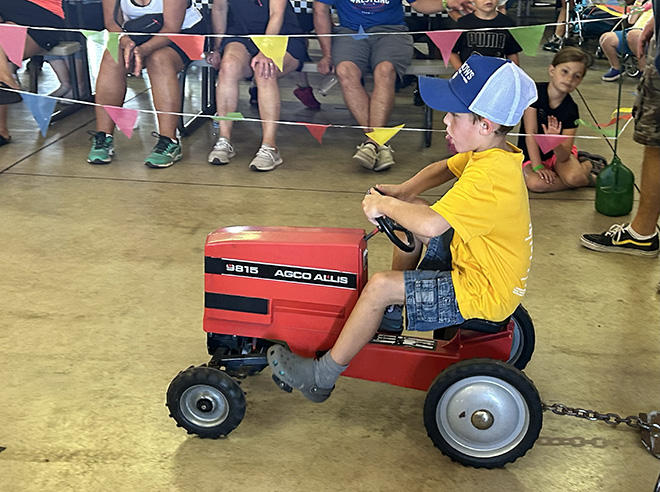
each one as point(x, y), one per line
point(366, 155)
point(267, 159)
point(392, 321)
point(385, 159)
point(222, 151)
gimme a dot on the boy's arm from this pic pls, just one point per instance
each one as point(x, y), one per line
point(418, 218)
point(533, 151)
point(431, 176)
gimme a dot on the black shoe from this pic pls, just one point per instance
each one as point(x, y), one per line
point(553, 44)
point(618, 240)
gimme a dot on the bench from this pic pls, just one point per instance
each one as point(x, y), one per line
point(431, 68)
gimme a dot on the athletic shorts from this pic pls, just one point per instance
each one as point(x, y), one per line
point(296, 47)
point(624, 48)
point(430, 297)
point(27, 13)
point(368, 52)
point(549, 163)
point(646, 109)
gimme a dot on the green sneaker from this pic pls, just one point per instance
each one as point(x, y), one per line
point(165, 153)
point(103, 148)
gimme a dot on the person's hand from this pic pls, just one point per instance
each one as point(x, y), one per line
point(263, 66)
point(139, 58)
point(325, 66)
point(645, 36)
point(396, 191)
point(465, 6)
point(370, 204)
point(547, 175)
point(213, 59)
point(553, 127)
point(127, 45)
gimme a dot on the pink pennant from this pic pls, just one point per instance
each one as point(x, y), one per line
point(549, 142)
point(124, 118)
point(317, 131)
point(191, 44)
point(445, 41)
point(12, 40)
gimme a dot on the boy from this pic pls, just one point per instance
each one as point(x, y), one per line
point(487, 211)
point(485, 40)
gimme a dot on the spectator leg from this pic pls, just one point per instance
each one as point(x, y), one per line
point(355, 96)
point(648, 212)
point(234, 67)
point(163, 66)
point(110, 90)
point(609, 42)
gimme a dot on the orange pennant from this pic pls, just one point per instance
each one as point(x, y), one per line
point(316, 130)
point(191, 44)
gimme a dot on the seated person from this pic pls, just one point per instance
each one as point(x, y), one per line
point(238, 58)
point(493, 42)
point(486, 212)
point(614, 45)
point(37, 13)
point(382, 53)
point(554, 113)
point(163, 60)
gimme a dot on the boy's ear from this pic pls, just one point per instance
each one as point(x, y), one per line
point(551, 70)
point(486, 127)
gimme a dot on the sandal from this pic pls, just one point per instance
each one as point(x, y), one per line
point(594, 158)
point(9, 97)
point(297, 372)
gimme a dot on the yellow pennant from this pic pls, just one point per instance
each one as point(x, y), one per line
point(619, 111)
point(274, 47)
point(382, 135)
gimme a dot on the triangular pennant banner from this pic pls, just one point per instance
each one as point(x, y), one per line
point(608, 132)
point(528, 37)
point(360, 34)
point(613, 120)
point(621, 111)
point(98, 37)
point(549, 142)
point(124, 118)
point(230, 117)
point(382, 135)
point(316, 130)
point(112, 45)
point(191, 44)
point(41, 108)
point(445, 41)
point(12, 40)
point(274, 47)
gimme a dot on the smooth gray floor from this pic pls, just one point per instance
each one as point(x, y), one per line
point(101, 290)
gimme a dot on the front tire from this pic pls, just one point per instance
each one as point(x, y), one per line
point(206, 401)
point(483, 413)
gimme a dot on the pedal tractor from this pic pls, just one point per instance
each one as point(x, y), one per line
point(297, 286)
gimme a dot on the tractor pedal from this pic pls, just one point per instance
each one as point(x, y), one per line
point(282, 385)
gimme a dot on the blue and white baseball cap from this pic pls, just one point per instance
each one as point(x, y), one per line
point(494, 88)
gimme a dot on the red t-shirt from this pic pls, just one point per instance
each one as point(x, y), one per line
point(54, 6)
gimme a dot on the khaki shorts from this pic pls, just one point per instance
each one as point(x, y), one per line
point(646, 109)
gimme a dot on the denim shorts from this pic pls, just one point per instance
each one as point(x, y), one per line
point(430, 297)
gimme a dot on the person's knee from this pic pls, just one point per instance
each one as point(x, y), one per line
point(348, 73)
point(161, 63)
point(536, 185)
point(574, 178)
point(231, 68)
point(380, 288)
point(385, 73)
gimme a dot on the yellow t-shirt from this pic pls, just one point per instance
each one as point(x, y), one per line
point(488, 208)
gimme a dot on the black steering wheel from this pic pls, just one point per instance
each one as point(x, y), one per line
point(388, 226)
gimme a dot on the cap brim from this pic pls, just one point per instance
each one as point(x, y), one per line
point(437, 94)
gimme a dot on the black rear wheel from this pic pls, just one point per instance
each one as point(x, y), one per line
point(483, 413)
point(206, 401)
point(524, 339)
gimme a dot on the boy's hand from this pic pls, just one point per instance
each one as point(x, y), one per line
point(370, 204)
point(547, 175)
point(553, 127)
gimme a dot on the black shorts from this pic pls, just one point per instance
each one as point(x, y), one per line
point(27, 13)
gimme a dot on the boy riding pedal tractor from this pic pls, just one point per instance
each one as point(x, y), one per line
point(478, 235)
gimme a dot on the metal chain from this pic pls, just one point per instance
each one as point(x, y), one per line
point(609, 418)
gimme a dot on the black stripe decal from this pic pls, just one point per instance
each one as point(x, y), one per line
point(255, 305)
point(282, 273)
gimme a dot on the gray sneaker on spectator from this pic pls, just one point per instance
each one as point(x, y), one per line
point(267, 159)
point(222, 151)
point(392, 321)
point(385, 158)
point(366, 155)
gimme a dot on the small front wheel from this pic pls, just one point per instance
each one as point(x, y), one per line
point(483, 413)
point(206, 401)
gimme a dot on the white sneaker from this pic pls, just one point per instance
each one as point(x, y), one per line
point(385, 158)
point(222, 151)
point(267, 159)
point(366, 155)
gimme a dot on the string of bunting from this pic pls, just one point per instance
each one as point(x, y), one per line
point(12, 40)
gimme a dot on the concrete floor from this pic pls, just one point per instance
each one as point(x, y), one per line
point(102, 301)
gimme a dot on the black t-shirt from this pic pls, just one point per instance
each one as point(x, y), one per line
point(488, 43)
point(566, 113)
point(251, 17)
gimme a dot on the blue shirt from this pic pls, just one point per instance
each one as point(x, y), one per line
point(368, 13)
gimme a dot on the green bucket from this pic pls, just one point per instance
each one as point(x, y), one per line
point(614, 189)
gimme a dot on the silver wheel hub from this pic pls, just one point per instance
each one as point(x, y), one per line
point(482, 416)
point(204, 406)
